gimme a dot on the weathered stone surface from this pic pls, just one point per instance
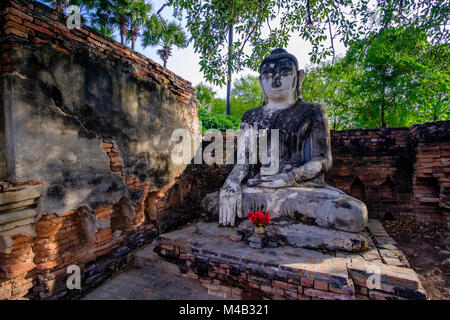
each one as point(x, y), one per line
point(16, 215)
point(394, 275)
point(27, 193)
point(312, 237)
point(208, 238)
point(309, 236)
point(235, 236)
point(285, 272)
point(66, 105)
point(18, 205)
point(324, 206)
point(210, 205)
point(18, 220)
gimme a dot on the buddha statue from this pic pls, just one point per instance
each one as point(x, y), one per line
point(297, 191)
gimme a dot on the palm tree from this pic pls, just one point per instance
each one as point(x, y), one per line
point(138, 17)
point(105, 30)
point(116, 13)
point(165, 35)
point(60, 5)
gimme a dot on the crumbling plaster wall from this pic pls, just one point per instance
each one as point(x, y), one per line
point(66, 105)
point(88, 121)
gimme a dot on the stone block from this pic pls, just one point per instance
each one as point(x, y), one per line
point(30, 192)
point(326, 295)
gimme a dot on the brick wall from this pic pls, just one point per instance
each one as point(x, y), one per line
point(26, 21)
point(401, 172)
point(99, 236)
point(397, 172)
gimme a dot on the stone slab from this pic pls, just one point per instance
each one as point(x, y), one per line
point(313, 237)
point(27, 193)
point(214, 241)
point(18, 205)
point(272, 273)
point(17, 215)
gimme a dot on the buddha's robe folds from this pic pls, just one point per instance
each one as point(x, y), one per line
point(303, 137)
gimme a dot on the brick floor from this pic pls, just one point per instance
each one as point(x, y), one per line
point(148, 284)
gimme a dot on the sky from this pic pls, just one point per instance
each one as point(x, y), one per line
point(185, 62)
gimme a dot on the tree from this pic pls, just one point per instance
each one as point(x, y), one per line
point(330, 85)
point(139, 11)
point(168, 35)
point(319, 22)
point(246, 95)
point(395, 69)
point(115, 13)
point(205, 95)
point(398, 79)
point(105, 30)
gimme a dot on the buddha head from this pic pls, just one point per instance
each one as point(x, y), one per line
point(279, 76)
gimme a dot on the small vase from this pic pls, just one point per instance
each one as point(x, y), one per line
point(260, 228)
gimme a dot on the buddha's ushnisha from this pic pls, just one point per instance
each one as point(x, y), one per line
point(298, 189)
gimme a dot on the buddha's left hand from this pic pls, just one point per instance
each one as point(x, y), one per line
point(273, 181)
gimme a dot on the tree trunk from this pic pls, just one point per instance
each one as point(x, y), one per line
point(134, 34)
point(123, 29)
point(383, 122)
point(230, 42)
point(167, 52)
point(60, 5)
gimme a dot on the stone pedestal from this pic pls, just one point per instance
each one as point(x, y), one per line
point(204, 251)
point(294, 234)
point(19, 210)
point(18, 214)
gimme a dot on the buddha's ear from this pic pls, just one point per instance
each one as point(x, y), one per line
point(264, 102)
point(300, 78)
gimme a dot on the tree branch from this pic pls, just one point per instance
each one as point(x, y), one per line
point(161, 9)
point(308, 9)
point(331, 39)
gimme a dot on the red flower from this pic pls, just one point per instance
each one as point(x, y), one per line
point(258, 217)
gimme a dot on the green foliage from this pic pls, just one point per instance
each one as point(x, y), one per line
point(246, 94)
point(220, 122)
point(220, 106)
point(208, 23)
point(395, 79)
point(138, 17)
point(104, 30)
point(331, 87)
point(205, 95)
point(165, 35)
point(127, 16)
point(319, 22)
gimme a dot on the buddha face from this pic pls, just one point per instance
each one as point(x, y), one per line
point(279, 79)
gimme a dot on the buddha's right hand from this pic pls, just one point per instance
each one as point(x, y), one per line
point(230, 203)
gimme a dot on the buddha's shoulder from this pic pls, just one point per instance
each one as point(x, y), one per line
point(257, 113)
point(252, 114)
point(309, 105)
